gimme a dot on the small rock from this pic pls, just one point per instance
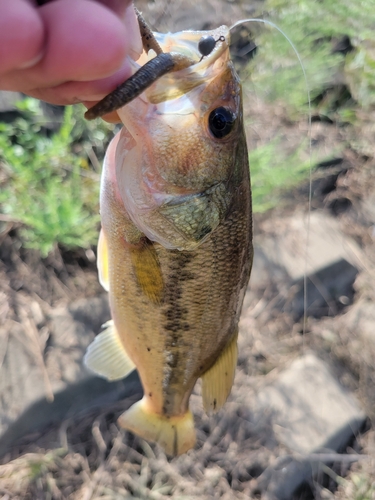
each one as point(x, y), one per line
point(329, 290)
point(330, 260)
point(292, 248)
point(310, 409)
point(309, 412)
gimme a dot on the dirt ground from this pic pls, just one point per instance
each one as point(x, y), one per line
point(90, 458)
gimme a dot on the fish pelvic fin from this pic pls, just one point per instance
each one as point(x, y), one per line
point(176, 434)
point(218, 380)
point(102, 261)
point(106, 355)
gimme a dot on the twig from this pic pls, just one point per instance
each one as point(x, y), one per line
point(336, 457)
point(94, 159)
point(4, 343)
point(99, 440)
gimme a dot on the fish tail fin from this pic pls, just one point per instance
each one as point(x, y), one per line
point(175, 434)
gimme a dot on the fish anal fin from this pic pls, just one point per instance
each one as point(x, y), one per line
point(147, 271)
point(176, 434)
point(218, 380)
point(106, 355)
point(102, 261)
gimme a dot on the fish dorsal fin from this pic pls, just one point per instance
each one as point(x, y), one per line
point(218, 380)
point(106, 355)
point(102, 261)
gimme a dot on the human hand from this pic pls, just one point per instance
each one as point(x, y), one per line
point(66, 51)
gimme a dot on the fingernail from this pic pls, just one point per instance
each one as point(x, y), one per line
point(33, 62)
point(132, 32)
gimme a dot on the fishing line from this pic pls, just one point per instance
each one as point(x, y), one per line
point(273, 25)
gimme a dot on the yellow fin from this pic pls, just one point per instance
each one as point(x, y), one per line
point(102, 261)
point(175, 434)
point(106, 355)
point(218, 380)
point(147, 271)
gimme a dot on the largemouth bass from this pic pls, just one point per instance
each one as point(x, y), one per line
point(175, 248)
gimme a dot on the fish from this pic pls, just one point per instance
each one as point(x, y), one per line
point(175, 247)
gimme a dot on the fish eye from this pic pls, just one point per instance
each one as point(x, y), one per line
point(206, 45)
point(221, 122)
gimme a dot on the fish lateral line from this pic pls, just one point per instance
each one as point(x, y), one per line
point(273, 25)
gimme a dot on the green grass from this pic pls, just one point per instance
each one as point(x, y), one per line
point(362, 486)
point(342, 86)
point(272, 173)
point(314, 27)
point(49, 186)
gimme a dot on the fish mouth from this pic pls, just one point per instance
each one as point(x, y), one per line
point(177, 83)
point(173, 72)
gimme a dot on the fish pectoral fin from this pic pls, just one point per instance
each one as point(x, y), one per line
point(106, 355)
point(102, 261)
point(147, 272)
point(175, 434)
point(218, 380)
